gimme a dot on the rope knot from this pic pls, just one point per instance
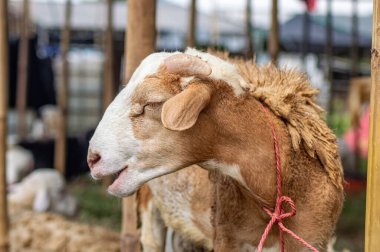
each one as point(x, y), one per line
point(279, 214)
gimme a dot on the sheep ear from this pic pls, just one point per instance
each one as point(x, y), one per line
point(41, 201)
point(181, 111)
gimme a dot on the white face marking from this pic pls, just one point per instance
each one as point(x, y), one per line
point(114, 138)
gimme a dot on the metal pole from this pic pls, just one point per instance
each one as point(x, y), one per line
point(140, 42)
point(60, 142)
point(372, 231)
point(4, 237)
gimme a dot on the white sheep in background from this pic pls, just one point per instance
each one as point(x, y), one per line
point(19, 162)
point(46, 127)
point(43, 190)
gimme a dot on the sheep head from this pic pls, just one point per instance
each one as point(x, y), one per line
point(158, 123)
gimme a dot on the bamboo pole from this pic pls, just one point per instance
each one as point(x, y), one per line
point(354, 39)
point(140, 42)
point(273, 40)
point(248, 29)
point(192, 38)
point(4, 238)
point(354, 71)
point(329, 51)
point(142, 27)
point(372, 234)
point(109, 77)
point(329, 41)
point(60, 141)
point(22, 68)
point(306, 35)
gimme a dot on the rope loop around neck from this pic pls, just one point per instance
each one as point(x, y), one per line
point(279, 213)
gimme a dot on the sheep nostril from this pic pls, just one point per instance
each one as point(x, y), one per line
point(93, 158)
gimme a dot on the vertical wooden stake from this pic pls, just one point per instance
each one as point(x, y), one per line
point(109, 78)
point(372, 234)
point(354, 39)
point(60, 141)
point(273, 41)
point(248, 29)
point(4, 238)
point(108, 91)
point(23, 68)
point(142, 30)
point(140, 42)
point(305, 35)
point(191, 40)
point(329, 51)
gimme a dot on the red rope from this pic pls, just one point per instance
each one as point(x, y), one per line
point(279, 213)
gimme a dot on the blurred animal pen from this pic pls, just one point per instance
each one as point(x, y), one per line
point(80, 68)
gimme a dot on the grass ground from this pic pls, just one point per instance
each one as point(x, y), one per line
point(97, 207)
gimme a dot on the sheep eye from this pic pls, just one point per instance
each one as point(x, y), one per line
point(152, 105)
point(136, 110)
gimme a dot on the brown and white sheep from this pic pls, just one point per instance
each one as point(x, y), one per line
point(194, 108)
point(180, 201)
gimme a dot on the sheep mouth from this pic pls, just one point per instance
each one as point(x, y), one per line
point(117, 175)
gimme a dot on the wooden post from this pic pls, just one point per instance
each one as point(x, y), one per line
point(306, 35)
point(141, 42)
point(249, 31)
point(4, 238)
point(354, 71)
point(329, 51)
point(60, 141)
point(108, 91)
point(273, 40)
point(354, 39)
point(22, 69)
point(191, 40)
point(109, 77)
point(372, 231)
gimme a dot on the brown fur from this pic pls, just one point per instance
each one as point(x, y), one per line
point(316, 196)
point(144, 195)
point(234, 130)
point(289, 95)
